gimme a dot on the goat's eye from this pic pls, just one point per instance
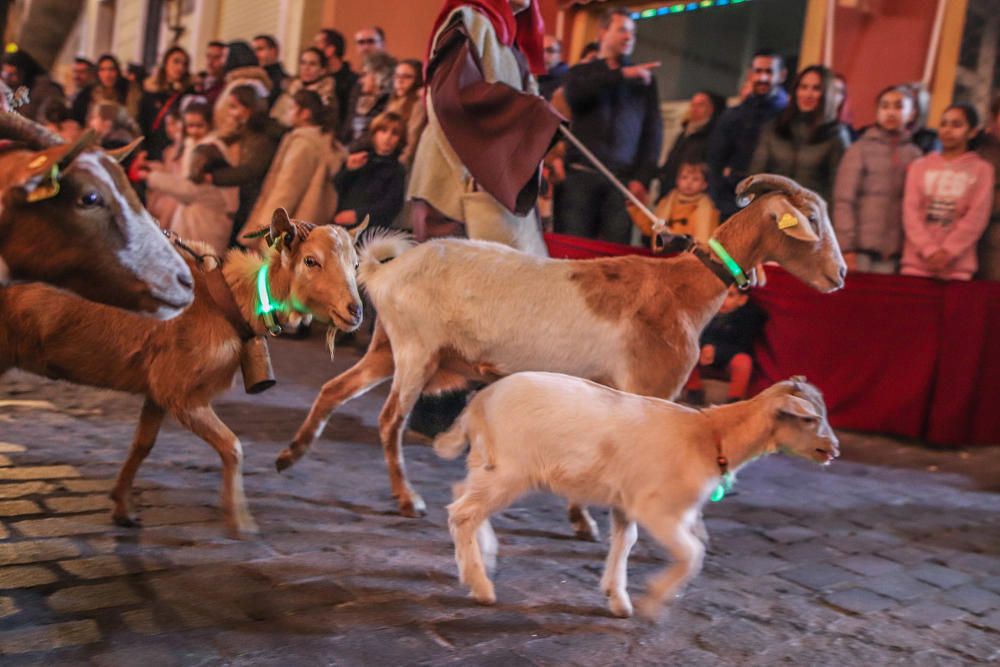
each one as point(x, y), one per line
point(91, 199)
point(311, 262)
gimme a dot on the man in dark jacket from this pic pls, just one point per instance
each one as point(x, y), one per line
point(731, 145)
point(555, 68)
point(616, 114)
point(266, 49)
point(331, 42)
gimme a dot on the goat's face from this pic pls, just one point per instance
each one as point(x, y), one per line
point(323, 267)
point(796, 232)
point(800, 424)
point(86, 230)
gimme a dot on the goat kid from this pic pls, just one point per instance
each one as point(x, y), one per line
point(69, 217)
point(654, 462)
point(180, 365)
point(451, 310)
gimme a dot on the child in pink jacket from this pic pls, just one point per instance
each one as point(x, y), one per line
point(947, 202)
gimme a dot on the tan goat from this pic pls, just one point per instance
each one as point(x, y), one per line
point(181, 364)
point(654, 462)
point(453, 310)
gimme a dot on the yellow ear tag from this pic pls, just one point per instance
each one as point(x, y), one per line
point(787, 220)
point(48, 188)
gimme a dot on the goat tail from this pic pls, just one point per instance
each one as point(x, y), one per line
point(451, 443)
point(380, 246)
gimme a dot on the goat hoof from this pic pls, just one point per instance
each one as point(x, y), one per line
point(649, 610)
point(413, 509)
point(126, 521)
point(284, 460)
point(620, 606)
point(587, 533)
point(486, 597)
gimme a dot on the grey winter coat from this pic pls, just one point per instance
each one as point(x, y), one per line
point(810, 157)
point(868, 196)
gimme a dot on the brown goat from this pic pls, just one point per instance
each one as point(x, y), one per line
point(450, 310)
point(180, 365)
point(69, 217)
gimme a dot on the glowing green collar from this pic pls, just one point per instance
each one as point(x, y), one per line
point(724, 487)
point(268, 307)
point(738, 275)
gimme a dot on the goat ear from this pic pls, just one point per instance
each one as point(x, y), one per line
point(121, 154)
point(797, 407)
point(37, 178)
point(789, 219)
point(356, 230)
point(281, 225)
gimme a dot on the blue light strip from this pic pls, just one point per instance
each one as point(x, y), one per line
point(681, 7)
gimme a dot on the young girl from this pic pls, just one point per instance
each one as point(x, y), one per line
point(868, 194)
point(204, 210)
point(372, 180)
point(947, 202)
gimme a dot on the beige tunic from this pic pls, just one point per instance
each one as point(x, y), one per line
point(440, 178)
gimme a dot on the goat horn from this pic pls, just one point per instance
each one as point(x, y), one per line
point(15, 126)
point(81, 144)
point(758, 184)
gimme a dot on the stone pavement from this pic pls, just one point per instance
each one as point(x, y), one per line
point(889, 556)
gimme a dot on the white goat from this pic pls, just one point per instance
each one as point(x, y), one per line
point(652, 461)
point(452, 310)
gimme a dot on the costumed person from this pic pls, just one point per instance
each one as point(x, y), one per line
point(478, 160)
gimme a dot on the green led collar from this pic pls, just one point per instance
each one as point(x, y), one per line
point(724, 487)
point(730, 263)
point(267, 306)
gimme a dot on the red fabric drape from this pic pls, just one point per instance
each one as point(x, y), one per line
point(892, 354)
point(527, 29)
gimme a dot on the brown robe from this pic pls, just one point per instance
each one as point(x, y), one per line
point(499, 133)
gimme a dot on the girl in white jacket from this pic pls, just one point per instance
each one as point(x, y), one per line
point(205, 210)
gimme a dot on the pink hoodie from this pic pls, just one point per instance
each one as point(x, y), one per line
point(946, 205)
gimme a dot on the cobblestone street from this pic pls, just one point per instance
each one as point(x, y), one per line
point(891, 555)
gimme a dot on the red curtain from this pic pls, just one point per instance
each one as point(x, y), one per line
point(892, 354)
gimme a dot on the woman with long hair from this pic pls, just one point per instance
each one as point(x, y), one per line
point(301, 176)
point(312, 75)
point(407, 101)
point(806, 141)
point(162, 92)
point(256, 136)
point(111, 86)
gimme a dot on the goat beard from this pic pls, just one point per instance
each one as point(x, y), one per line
point(331, 339)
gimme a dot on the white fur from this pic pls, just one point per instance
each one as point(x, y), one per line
point(146, 252)
point(651, 460)
point(470, 283)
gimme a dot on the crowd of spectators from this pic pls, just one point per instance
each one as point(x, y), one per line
point(332, 142)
